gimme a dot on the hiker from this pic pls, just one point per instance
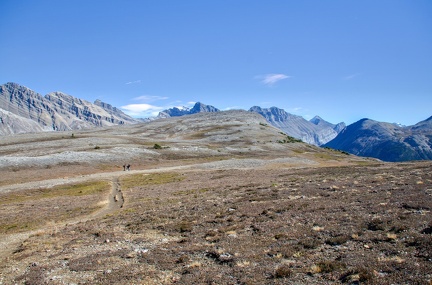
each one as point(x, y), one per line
point(128, 167)
point(124, 167)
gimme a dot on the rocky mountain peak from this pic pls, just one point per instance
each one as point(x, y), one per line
point(200, 107)
point(297, 126)
point(54, 111)
point(274, 113)
point(113, 111)
point(104, 105)
point(62, 98)
point(386, 141)
point(197, 108)
point(423, 126)
point(316, 120)
point(16, 92)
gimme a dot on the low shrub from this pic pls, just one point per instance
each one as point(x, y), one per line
point(283, 271)
point(157, 146)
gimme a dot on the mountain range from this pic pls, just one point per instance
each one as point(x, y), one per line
point(316, 131)
point(197, 108)
point(385, 141)
point(23, 110)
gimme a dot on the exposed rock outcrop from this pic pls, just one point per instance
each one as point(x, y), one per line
point(56, 111)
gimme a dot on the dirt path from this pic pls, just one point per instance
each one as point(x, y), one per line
point(222, 164)
point(115, 200)
point(83, 178)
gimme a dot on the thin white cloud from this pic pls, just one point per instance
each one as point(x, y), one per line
point(142, 110)
point(305, 113)
point(351, 76)
point(272, 79)
point(149, 98)
point(300, 111)
point(233, 108)
point(133, 82)
point(179, 104)
point(297, 109)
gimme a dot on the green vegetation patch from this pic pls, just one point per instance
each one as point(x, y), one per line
point(191, 192)
point(131, 181)
point(336, 150)
point(226, 130)
point(326, 156)
point(81, 189)
point(289, 139)
point(157, 146)
point(32, 209)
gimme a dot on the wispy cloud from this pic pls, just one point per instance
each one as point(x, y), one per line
point(300, 111)
point(133, 82)
point(351, 76)
point(297, 109)
point(271, 79)
point(149, 98)
point(232, 108)
point(142, 110)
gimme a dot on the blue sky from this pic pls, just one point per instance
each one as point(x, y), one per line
point(342, 60)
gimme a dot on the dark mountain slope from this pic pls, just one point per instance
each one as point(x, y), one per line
point(385, 141)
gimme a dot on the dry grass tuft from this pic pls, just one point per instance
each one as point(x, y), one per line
point(32, 209)
point(142, 180)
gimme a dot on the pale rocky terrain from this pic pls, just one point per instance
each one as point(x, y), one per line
point(211, 198)
point(23, 110)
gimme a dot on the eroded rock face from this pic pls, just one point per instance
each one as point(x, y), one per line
point(26, 103)
point(56, 111)
point(12, 124)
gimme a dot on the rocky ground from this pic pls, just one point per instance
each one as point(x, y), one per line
point(224, 200)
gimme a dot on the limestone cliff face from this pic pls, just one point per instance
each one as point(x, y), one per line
point(13, 124)
point(83, 114)
point(317, 131)
point(326, 131)
point(25, 103)
point(116, 114)
point(56, 111)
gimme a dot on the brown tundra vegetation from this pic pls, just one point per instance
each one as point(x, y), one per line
point(217, 198)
